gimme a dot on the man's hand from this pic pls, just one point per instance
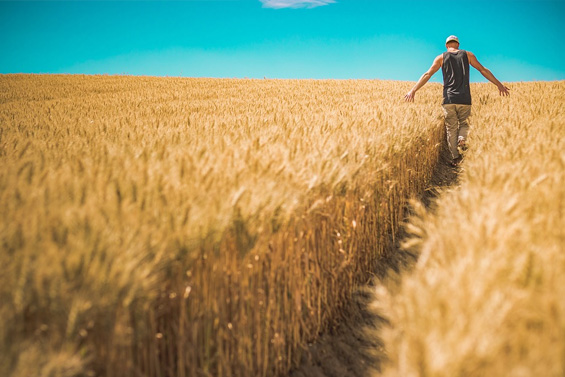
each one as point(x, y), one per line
point(409, 97)
point(504, 91)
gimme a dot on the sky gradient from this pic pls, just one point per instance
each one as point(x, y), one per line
point(518, 40)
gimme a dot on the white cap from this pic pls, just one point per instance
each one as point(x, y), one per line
point(451, 38)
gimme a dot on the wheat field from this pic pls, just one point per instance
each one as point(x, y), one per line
point(194, 227)
point(214, 227)
point(487, 295)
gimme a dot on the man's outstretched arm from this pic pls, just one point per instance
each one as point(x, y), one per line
point(504, 91)
point(424, 79)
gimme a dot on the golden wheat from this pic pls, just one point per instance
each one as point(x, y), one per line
point(168, 226)
point(487, 296)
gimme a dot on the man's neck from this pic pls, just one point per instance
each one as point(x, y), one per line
point(452, 49)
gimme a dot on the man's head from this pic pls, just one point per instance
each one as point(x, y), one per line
point(452, 41)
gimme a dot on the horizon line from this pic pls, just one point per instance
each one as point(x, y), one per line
point(243, 77)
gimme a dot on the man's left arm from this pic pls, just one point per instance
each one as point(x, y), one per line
point(409, 97)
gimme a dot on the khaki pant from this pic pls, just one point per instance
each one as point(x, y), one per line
point(456, 124)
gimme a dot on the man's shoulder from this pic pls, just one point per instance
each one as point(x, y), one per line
point(472, 58)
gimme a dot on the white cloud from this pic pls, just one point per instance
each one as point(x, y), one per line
point(278, 4)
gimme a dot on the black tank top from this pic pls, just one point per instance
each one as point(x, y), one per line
point(455, 71)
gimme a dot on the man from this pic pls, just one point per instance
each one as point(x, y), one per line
point(454, 64)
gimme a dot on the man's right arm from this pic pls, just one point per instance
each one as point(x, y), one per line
point(504, 91)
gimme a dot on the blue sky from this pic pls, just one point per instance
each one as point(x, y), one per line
point(519, 40)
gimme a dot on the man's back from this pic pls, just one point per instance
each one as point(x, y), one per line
point(455, 69)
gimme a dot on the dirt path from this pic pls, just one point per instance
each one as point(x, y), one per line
point(352, 348)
